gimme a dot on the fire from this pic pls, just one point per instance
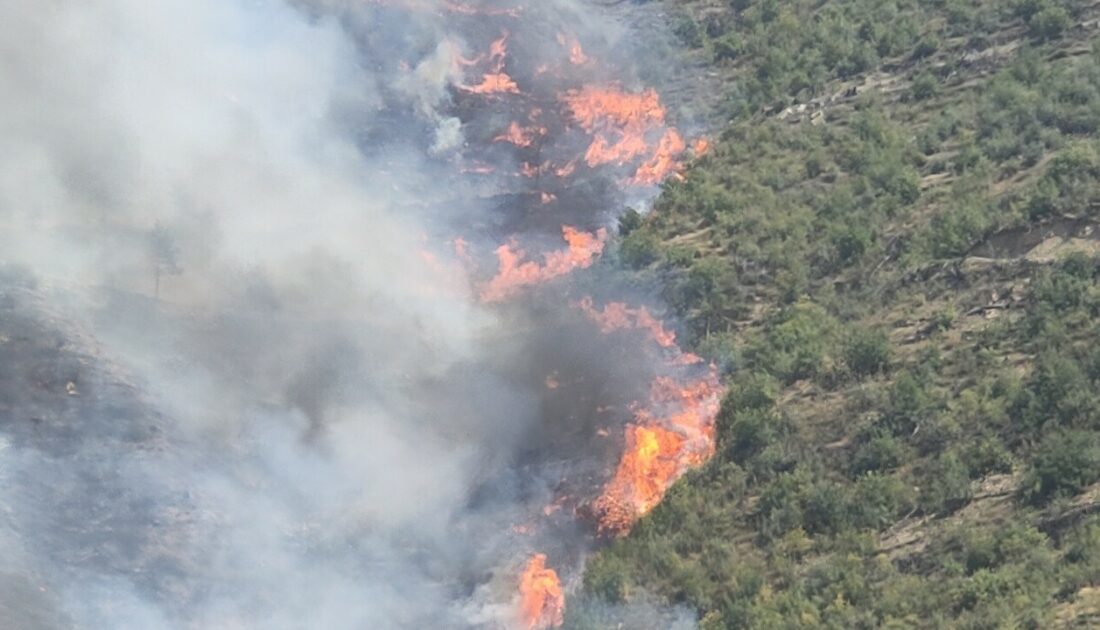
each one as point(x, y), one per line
point(664, 160)
point(619, 316)
point(674, 434)
point(519, 135)
point(619, 121)
point(576, 52)
point(494, 81)
point(622, 125)
point(701, 147)
point(542, 601)
point(584, 248)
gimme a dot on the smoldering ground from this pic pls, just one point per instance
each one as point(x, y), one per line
point(244, 384)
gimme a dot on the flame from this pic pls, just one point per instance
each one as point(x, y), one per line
point(619, 316)
point(567, 170)
point(495, 81)
point(542, 601)
point(546, 197)
point(674, 434)
point(576, 52)
point(701, 147)
point(584, 248)
point(621, 125)
point(663, 161)
point(619, 121)
point(519, 135)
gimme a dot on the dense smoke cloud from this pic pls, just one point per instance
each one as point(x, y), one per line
point(283, 405)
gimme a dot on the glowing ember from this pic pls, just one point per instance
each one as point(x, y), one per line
point(583, 250)
point(700, 147)
point(542, 602)
point(619, 316)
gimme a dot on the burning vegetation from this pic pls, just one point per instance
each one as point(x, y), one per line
point(594, 411)
point(542, 601)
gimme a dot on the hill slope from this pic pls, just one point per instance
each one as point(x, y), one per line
point(891, 249)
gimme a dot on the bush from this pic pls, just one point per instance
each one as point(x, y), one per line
point(1049, 23)
point(881, 452)
point(946, 485)
point(867, 353)
point(1064, 464)
point(924, 87)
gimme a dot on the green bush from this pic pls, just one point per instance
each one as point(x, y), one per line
point(867, 353)
point(1064, 463)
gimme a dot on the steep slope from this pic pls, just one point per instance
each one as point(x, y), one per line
point(890, 250)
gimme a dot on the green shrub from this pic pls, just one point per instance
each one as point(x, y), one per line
point(867, 353)
point(1064, 463)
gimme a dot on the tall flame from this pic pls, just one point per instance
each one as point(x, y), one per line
point(666, 439)
point(542, 601)
point(584, 248)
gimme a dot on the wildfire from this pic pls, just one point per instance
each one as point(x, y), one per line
point(701, 147)
point(674, 434)
point(584, 248)
point(519, 135)
point(576, 52)
point(664, 160)
point(542, 601)
point(495, 80)
point(622, 125)
point(619, 316)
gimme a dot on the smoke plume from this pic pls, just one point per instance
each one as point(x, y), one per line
point(252, 376)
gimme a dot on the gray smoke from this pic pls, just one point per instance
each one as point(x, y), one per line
point(268, 396)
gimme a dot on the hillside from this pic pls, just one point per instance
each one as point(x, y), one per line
point(890, 249)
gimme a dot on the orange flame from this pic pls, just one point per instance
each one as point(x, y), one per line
point(495, 81)
point(583, 250)
point(660, 447)
point(576, 52)
point(520, 136)
point(664, 160)
point(542, 601)
point(618, 121)
point(701, 147)
point(619, 316)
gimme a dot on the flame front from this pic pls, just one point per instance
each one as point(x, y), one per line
point(619, 316)
point(495, 81)
point(542, 601)
point(584, 248)
point(673, 434)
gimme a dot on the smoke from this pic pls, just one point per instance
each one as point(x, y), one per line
point(259, 390)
